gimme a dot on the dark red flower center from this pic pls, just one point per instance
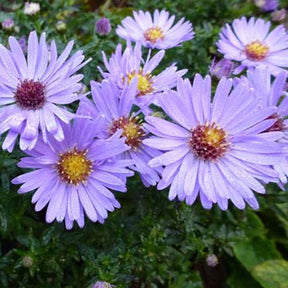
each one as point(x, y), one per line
point(30, 94)
point(256, 51)
point(131, 129)
point(208, 142)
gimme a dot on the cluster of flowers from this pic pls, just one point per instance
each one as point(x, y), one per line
point(219, 148)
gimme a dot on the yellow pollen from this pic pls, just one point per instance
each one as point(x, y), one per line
point(131, 129)
point(256, 51)
point(208, 142)
point(144, 82)
point(153, 34)
point(73, 166)
point(213, 136)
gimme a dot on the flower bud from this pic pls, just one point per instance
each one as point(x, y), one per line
point(266, 5)
point(102, 284)
point(212, 260)
point(60, 26)
point(31, 8)
point(278, 15)
point(27, 261)
point(8, 24)
point(224, 67)
point(103, 26)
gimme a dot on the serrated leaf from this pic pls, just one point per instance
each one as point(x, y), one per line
point(272, 274)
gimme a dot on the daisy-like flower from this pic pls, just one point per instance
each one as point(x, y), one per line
point(31, 90)
point(251, 43)
point(214, 150)
point(124, 67)
point(157, 32)
point(270, 93)
point(115, 108)
point(75, 176)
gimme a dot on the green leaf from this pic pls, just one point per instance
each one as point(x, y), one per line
point(255, 226)
point(240, 277)
point(3, 220)
point(272, 274)
point(255, 251)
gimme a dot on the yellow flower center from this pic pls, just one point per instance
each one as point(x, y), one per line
point(73, 166)
point(131, 129)
point(153, 34)
point(256, 51)
point(208, 142)
point(144, 82)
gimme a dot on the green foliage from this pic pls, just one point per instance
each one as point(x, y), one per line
point(272, 274)
point(150, 242)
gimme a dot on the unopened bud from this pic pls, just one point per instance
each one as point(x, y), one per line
point(103, 26)
point(266, 5)
point(31, 8)
point(60, 25)
point(8, 24)
point(222, 68)
point(278, 15)
point(102, 284)
point(27, 261)
point(212, 260)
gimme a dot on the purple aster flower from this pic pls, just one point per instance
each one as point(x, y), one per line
point(266, 5)
point(251, 43)
point(270, 93)
point(214, 150)
point(123, 67)
point(221, 68)
point(75, 176)
point(103, 26)
point(32, 89)
point(115, 108)
point(157, 32)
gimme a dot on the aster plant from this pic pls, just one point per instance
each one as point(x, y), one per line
point(123, 67)
point(215, 150)
point(34, 88)
point(116, 109)
point(157, 31)
point(270, 91)
point(75, 177)
point(251, 43)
